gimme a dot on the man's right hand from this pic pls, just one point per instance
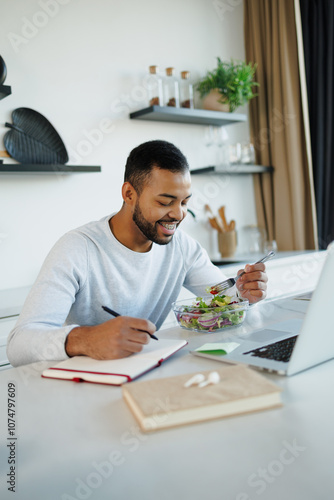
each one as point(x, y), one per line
point(116, 338)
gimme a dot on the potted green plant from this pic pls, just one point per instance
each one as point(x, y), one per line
point(230, 84)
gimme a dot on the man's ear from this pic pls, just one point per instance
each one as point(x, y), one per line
point(129, 194)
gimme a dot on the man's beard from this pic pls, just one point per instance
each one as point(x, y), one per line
point(149, 230)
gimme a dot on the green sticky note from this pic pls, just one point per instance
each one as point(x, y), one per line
point(218, 348)
point(218, 352)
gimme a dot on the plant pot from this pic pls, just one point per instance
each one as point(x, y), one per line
point(211, 101)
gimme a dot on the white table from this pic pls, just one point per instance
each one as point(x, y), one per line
point(81, 441)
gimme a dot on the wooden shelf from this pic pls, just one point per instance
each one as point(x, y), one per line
point(5, 90)
point(234, 169)
point(22, 168)
point(190, 116)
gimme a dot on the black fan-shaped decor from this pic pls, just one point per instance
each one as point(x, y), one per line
point(3, 71)
point(32, 139)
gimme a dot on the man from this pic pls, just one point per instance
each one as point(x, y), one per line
point(135, 262)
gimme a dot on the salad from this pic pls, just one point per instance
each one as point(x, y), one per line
point(221, 311)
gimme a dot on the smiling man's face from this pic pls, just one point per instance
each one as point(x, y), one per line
point(162, 204)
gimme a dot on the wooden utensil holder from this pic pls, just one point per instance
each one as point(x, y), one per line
point(227, 243)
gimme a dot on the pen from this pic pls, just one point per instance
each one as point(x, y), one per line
point(114, 313)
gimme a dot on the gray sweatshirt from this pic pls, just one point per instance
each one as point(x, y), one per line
point(87, 268)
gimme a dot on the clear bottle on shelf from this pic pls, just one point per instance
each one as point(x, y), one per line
point(154, 87)
point(171, 89)
point(186, 91)
point(247, 154)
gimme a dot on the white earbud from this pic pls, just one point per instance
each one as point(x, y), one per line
point(213, 378)
point(196, 379)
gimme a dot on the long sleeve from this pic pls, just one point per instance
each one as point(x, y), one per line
point(87, 268)
point(40, 333)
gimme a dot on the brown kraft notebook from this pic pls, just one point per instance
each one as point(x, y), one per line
point(162, 403)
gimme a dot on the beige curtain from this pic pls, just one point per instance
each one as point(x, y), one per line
point(278, 125)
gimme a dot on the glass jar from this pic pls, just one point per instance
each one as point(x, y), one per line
point(247, 154)
point(171, 89)
point(186, 91)
point(154, 87)
point(252, 239)
point(234, 153)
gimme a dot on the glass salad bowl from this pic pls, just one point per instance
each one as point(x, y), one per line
point(212, 314)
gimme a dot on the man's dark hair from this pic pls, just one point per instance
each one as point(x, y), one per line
point(144, 158)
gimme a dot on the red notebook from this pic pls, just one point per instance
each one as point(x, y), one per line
point(116, 371)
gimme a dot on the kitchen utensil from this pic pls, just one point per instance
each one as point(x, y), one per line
point(224, 285)
point(213, 223)
point(215, 220)
point(231, 226)
point(221, 212)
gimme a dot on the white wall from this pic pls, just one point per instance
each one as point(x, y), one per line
point(79, 63)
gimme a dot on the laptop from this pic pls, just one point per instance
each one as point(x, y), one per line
point(295, 345)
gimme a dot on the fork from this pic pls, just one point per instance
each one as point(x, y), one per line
point(224, 285)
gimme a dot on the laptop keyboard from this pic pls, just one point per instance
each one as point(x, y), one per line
point(279, 351)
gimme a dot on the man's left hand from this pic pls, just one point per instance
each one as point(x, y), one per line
point(253, 284)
